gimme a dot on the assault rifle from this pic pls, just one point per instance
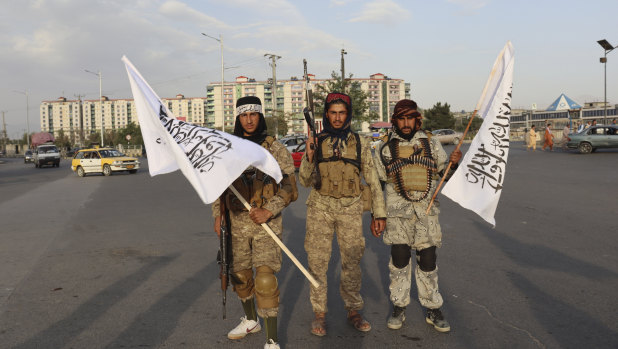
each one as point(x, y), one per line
point(224, 250)
point(309, 117)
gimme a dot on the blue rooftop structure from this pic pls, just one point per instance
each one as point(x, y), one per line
point(563, 103)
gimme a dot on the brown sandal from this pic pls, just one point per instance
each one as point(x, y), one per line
point(355, 319)
point(318, 326)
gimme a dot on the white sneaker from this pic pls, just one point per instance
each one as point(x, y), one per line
point(271, 345)
point(244, 328)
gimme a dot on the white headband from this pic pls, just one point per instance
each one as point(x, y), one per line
point(249, 108)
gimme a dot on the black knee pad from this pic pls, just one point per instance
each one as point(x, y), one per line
point(401, 255)
point(426, 259)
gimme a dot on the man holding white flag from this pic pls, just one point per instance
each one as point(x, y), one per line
point(251, 246)
point(477, 184)
point(211, 161)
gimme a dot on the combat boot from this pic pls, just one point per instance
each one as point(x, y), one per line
point(395, 321)
point(435, 318)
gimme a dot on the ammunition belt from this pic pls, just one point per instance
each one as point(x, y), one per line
point(393, 168)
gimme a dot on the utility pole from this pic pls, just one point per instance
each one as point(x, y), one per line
point(25, 92)
point(98, 73)
point(343, 52)
point(220, 39)
point(4, 137)
point(273, 64)
point(81, 120)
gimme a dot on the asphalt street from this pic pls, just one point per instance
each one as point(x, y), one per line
point(129, 261)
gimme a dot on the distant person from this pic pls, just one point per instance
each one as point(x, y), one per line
point(580, 127)
point(594, 122)
point(614, 122)
point(548, 138)
point(532, 139)
point(565, 136)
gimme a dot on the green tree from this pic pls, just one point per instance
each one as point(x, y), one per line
point(438, 117)
point(360, 105)
point(132, 129)
point(278, 125)
point(62, 141)
point(474, 127)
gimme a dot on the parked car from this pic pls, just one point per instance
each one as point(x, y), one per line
point(297, 154)
point(291, 142)
point(2, 152)
point(102, 160)
point(28, 156)
point(447, 136)
point(71, 153)
point(46, 154)
point(593, 138)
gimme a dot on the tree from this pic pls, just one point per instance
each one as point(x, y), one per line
point(438, 117)
point(132, 129)
point(360, 105)
point(278, 125)
point(62, 141)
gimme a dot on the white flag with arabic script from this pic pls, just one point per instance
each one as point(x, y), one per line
point(210, 159)
point(477, 183)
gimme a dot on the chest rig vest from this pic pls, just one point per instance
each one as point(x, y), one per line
point(254, 185)
point(411, 168)
point(340, 172)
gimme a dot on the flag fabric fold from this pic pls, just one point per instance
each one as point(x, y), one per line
point(477, 183)
point(210, 159)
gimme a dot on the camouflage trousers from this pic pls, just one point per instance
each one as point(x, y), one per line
point(318, 244)
point(418, 234)
point(253, 247)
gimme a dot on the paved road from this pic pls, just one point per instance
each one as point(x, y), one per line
point(128, 261)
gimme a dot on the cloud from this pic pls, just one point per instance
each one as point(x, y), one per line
point(470, 5)
point(180, 11)
point(280, 9)
point(381, 11)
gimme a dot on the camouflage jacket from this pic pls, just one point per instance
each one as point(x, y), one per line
point(396, 205)
point(276, 204)
point(346, 205)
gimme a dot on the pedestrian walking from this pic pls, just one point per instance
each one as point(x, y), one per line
point(565, 136)
point(548, 139)
point(532, 138)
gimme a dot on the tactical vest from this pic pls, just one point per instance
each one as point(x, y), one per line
point(411, 168)
point(340, 173)
point(254, 185)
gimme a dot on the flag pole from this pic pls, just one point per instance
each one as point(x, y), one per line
point(450, 163)
point(277, 240)
point(478, 106)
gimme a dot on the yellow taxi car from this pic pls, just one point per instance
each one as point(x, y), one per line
point(102, 160)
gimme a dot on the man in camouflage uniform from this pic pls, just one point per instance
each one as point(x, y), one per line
point(336, 204)
point(252, 247)
point(411, 162)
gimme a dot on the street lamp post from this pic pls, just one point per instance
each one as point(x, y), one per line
point(25, 92)
point(608, 48)
point(98, 73)
point(220, 39)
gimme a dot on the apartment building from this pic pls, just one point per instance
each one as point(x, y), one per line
point(383, 92)
point(76, 116)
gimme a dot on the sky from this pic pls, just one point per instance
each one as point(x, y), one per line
point(444, 48)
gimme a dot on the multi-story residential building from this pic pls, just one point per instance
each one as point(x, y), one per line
point(383, 92)
point(65, 115)
point(77, 117)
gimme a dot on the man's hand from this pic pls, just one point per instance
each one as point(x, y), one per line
point(455, 156)
point(377, 226)
point(218, 226)
point(260, 215)
point(309, 149)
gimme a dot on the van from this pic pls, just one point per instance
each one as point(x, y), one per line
point(46, 154)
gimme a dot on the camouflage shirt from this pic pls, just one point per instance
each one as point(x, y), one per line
point(276, 204)
point(396, 205)
point(346, 205)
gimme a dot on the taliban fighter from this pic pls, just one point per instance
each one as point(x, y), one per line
point(337, 205)
point(411, 162)
point(252, 247)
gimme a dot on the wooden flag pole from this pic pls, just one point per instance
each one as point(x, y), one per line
point(277, 240)
point(450, 163)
